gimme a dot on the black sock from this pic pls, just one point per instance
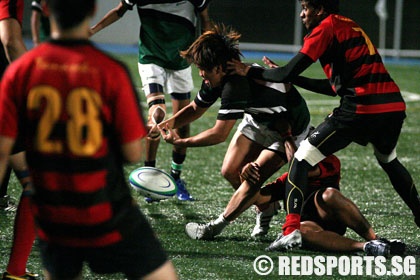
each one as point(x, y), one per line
point(151, 163)
point(176, 165)
point(403, 183)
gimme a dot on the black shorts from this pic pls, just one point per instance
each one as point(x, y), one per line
point(310, 213)
point(138, 255)
point(341, 128)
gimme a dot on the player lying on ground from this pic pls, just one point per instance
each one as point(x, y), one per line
point(268, 121)
point(326, 214)
point(371, 110)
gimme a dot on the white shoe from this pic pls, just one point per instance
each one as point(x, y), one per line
point(204, 231)
point(263, 219)
point(286, 242)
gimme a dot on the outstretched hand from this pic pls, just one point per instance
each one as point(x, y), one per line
point(169, 135)
point(237, 67)
point(269, 62)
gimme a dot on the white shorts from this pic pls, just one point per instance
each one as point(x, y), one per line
point(261, 134)
point(172, 81)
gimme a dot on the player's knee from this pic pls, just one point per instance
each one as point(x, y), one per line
point(231, 175)
point(385, 158)
point(330, 196)
point(157, 113)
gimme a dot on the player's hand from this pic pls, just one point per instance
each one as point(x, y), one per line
point(269, 62)
point(169, 135)
point(251, 172)
point(237, 67)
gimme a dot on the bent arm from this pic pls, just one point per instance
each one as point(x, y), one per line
point(111, 17)
point(35, 26)
point(321, 86)
point(206, 23)
point(299, 63)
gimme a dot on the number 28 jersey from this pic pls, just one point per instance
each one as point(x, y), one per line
point(74, 106)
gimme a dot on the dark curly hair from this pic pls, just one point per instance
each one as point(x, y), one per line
point(330, 6)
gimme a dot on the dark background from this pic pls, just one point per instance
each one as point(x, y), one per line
point(272, 21)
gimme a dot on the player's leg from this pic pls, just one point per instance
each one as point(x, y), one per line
point(335, 212)
point(24, 226)
point(384, 144)
point(139, 255)
point(248, 192)
point(179, 101)
point(241, 150)
point(333, 207)
point(180, 84)
point(153, 80)
point(61, 262)
point(246, 195)
point(322, 142)
point(401, 181)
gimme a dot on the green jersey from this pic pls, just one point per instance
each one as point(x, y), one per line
point(166, 28)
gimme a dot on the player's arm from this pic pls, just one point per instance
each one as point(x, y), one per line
point(6, 144)
point(134, 151)
point(321, 86)
point(299, 63)
point(206, 22)
point(36, 22)
point(111, 17)
point(215, 135)
point(185, 116)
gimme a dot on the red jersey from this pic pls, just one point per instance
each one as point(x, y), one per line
point(11, 9)
point(353, 66)
point(329, 178)
point(74, 106)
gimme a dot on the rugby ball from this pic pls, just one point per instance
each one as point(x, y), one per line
point(152, 182)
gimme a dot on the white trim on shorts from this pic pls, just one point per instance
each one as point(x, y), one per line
point(179, 81)
point(260, 133)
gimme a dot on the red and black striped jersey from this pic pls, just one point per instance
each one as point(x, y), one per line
point(75, 106)
point(329, 176)
point(353, 65)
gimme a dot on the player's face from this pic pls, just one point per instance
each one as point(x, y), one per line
point(310, 16)
point(212, 77)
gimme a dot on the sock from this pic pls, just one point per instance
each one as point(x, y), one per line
point(176, 165)
point(151, 163)
point(23, 237)
point(292, 223)
point(219, 224)
point(176, 170)
point(403, 183)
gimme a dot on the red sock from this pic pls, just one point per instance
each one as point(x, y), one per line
point(292, 223)
point(23, 237)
